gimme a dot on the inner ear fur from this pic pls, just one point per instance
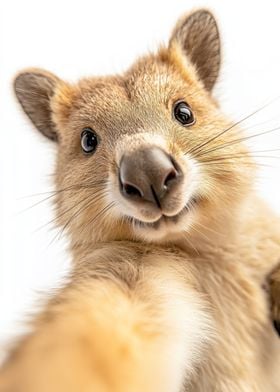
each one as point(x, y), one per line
point(34, 90)
point(198, 36)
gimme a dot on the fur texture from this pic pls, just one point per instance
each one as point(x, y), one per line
point(160, 299)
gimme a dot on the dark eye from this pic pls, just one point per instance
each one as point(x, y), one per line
point(183, 113)
point(89, 140)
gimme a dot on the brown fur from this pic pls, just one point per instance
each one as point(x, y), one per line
point(124, 323)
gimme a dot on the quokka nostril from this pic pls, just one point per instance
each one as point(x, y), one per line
point(172, 175)
point(131, 190)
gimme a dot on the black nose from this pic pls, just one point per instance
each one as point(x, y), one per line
point(148, 175)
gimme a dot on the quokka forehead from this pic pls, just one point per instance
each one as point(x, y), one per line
point(154, 81)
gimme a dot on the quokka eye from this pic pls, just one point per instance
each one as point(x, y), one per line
point(183, 113)
point(89, 141)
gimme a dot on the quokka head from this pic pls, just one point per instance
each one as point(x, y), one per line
point(146, 155)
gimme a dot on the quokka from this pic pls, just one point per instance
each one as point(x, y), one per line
point(171, 246)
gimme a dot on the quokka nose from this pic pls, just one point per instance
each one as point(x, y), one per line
point(148, 175)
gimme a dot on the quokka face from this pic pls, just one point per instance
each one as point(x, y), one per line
point(146, 155)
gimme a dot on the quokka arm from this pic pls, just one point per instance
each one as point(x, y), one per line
point(123, 322)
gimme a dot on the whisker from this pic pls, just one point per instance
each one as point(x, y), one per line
point(186, 237)
point(192, 150)
point(234, 156)
point(253, 164)
point(61, 214)
point(74, 186)
point(98, 215)
point(208, 229)
point(77, 188)
point(254, 126)
point(235, 141)
point(36, 204)
point(80, 210)
point(200, 232)
point(90, 196)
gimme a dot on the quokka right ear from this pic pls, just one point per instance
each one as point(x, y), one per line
point(198, 37)
point(34, 89)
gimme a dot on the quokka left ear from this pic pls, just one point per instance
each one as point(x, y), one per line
point(34, 89)
point(197, 35)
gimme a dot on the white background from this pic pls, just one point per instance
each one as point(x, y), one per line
point(74, 39)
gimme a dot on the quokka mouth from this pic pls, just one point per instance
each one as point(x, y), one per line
point(167, 219)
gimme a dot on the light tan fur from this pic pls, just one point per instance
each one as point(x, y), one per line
point(177, 306)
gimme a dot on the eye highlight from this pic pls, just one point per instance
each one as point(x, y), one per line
point(183, 113)
point(89, 140)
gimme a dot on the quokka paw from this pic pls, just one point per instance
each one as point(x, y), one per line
point(274, 282)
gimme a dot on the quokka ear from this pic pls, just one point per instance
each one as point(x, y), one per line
point(197, 35)
point(34, 89)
